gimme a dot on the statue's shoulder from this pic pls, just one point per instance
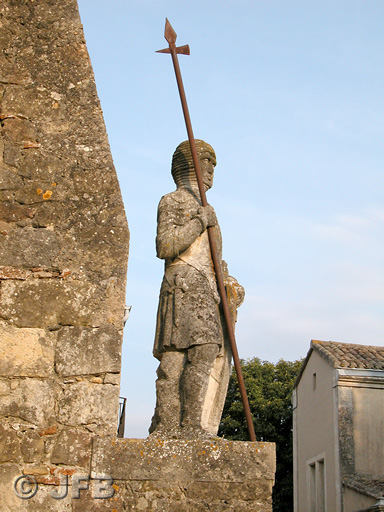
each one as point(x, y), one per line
point(176, 199)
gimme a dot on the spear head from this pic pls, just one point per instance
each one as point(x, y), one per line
point(170, 36)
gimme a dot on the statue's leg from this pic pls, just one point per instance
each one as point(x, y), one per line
point(194, 384)
point(217, 389)
point(166, 419)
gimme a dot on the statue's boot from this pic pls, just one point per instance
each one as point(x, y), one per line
point(166, 419)
point(194, 385)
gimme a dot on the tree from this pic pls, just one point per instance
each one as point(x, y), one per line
point(269, 387)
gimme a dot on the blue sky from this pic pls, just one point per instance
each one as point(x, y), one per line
point(290, 95)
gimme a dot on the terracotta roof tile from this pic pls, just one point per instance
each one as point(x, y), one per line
point(348, 355)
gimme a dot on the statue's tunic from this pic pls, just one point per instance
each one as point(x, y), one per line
point(188, 312)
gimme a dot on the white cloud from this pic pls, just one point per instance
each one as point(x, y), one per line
point(352, 227)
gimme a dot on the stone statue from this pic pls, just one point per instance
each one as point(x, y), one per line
point(191, 340)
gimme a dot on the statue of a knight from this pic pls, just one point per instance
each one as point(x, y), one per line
point(191, 340)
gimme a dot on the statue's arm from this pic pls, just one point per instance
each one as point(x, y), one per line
point(178, 229)
point(235, 292)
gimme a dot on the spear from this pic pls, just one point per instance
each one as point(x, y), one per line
point(170, 35)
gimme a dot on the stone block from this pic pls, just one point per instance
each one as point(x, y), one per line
point(173, 475)
point(93, 405)
point(112, 378)
point(49, 303)
point(26, 352)
point(87, 501)
point(184, 460)
point(19, 130)
point(47, 167)
point(168, 496)
point(72, 448)
point(4, 387)
point(32, 446)
point(9, 180)
point(31, 400)
point(39, 192)
point(44, 501)
point(46, 216)
point(12, 154)
point(9, 501)
point(30, 247)
point(13, 212)
point(7, 272)
point(36, 469)
point(82, 351)
point(9, 445)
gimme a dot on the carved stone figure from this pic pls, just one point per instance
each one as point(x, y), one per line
point(191, 340)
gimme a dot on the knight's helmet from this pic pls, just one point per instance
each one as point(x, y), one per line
point(183, 170)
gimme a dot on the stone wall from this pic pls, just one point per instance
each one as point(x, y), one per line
point(63, 250)
point(156, 475)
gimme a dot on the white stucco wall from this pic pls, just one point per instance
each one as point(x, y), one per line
point(314, 425)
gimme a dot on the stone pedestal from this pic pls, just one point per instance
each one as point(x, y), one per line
point(173, 475)
point(149, 475)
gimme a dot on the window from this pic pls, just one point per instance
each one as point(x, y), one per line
point(316, 484)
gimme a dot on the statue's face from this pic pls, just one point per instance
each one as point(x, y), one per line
point(207, 165)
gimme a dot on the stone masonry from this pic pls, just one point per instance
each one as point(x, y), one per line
point(63, 252)
point(63, 261)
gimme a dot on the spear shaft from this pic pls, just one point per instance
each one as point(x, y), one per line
point(170, 36)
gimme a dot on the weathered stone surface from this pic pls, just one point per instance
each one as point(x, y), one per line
point(37, 166)
point(63, 248)
point(94, 405)
point(26, 352)
point(72, 448)
point(57, 166)
point(50, 303)
point(43, 501)
point(182, 460)
point(36, 469)
point(32, 446)
point(30, 247)
point(9, 272)
point(9, 501)
point(174, 475)
point(112, 378)
point(49, 431)
point(346, 443)
point(205, 496)
point(13, 212)
point(75, 344)
point(4, 387)
point(9, 180)
point(31, 400)
point(39, 192)
point(87, 500)
point(9, 445)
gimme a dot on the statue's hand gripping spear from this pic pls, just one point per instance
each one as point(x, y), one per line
point(170, 36)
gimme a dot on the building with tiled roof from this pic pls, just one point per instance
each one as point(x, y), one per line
point(348, 355)
point(338, 423)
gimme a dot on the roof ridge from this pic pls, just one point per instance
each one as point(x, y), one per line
point(350, 355)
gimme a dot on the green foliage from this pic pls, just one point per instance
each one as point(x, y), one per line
point(269, 388)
